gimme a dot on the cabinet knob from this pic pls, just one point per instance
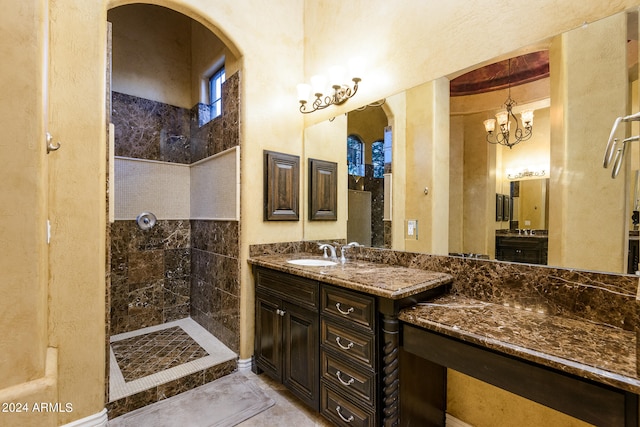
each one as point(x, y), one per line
point(280, 312)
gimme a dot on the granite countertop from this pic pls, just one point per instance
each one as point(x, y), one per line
point(384, 280)
point(589, 350)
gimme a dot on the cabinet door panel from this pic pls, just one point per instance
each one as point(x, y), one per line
point(301, 352)
point(268, 336)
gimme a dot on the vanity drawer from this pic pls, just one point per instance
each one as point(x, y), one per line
point(353, 344)
point(348, 305)
point(343, 412)
point(290, 288)
point(355, 382)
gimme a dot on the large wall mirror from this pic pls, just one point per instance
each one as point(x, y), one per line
point(555, 181)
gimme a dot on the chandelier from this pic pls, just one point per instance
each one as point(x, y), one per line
point(338, 91)
point(508, 121)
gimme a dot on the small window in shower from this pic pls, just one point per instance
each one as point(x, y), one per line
point(377, 158)
point(215, 92)
point(355, 155)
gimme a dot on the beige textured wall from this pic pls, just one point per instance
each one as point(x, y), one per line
point(27, 367)
point(23, 195)
point(483, 405)
point(369, 125)
point(427, 166)
point(456, 184)
point(160, 42)
point(325, 141)
point(579, 196)
point(77, 205)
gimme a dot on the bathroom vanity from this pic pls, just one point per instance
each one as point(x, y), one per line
point(351, 337)
point(580, 368)
point(331, 334)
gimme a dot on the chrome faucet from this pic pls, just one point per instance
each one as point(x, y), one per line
point(326, 246)
point(343, 259)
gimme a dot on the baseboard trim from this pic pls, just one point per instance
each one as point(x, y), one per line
point(244, 365)
point(452, 421)
point(96, 420)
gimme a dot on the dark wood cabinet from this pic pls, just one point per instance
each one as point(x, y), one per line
point(525, 249)
point(348, 351)
point(286, 335)
point(335, 348)
point(268, 339)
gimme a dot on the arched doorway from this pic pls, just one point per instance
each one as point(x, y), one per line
point(174, 281)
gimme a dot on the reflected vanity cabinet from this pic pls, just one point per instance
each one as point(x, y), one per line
point(286, 332)
point(530, 250)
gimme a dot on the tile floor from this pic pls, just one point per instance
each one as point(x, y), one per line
point(287, 411)
point(171, 350)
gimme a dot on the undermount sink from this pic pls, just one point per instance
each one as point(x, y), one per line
point(311, 262)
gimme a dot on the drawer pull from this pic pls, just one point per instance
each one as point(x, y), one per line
point(346, 313)
point(346, 420)
point(347, 383)
point(342, 346)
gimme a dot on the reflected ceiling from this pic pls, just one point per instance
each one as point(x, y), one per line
point(524, 69)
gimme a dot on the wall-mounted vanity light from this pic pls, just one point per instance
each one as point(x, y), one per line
point(338, 91)
point(527, 172)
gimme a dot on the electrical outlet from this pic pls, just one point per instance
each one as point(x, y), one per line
point(411, 229)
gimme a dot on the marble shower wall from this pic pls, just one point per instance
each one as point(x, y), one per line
point(179, 267)
point(151, 130)
point(215, 283)
point(150, 274)
point(376, 187)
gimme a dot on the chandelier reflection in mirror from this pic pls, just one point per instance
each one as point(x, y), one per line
point(508, 121)
point(338, 91)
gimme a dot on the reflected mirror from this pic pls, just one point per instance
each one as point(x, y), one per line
point(529, 205)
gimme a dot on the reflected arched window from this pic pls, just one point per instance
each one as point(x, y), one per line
point(355, 155)
point(377, 158)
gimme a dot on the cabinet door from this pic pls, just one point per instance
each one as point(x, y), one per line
point(268, 340)
point(301, 353)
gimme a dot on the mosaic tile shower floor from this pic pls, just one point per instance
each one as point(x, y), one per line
point(142, 359)
point(150, 353)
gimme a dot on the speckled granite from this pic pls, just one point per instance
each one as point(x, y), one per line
point(594, 351)
point(598, 297)
point(383, 280)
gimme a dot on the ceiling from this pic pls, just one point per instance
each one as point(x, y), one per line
point(524, 69)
